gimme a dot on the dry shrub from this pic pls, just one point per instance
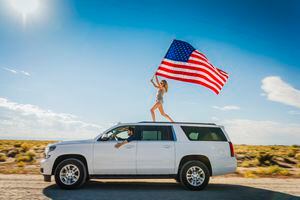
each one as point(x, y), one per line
point(250, 163)
point(2, 157)
point(272, 170)
point(30, 153)
point(249, 174)
point(21, 164)
point(291, 154)
point(23, 158)
point(12, 153)
point(297, 156)
point(26, 157)
point(17, 145)
point(265, 159)
point(25, 147)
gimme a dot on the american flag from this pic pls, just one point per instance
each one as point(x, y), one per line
point(184, 63)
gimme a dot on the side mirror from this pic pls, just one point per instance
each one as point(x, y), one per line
point(104, 137)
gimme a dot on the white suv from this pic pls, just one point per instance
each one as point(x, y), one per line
point(187, 152)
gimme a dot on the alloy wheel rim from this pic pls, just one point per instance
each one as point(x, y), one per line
point(195, 176)
point(69, 174)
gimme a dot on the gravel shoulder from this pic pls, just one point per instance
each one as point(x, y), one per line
point(33, 187)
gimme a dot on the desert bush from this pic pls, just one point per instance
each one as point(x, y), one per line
point(2, 157)
point(30, 154)
point(251, 163)
point(21, 164)
point(12, 153)
point(291, 153)
point(284, 172)
point(25, 147)
point(297, 156)
point(265, 159)
point(272, 170)
point(17, 145)
point(25, 157)
point(249, 174)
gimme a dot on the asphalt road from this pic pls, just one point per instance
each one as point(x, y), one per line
point(33, 187)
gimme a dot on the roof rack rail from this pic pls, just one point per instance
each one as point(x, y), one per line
point(177, 123)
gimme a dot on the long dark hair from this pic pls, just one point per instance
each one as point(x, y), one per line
point(166, 86)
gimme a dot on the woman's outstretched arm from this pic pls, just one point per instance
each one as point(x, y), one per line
point(157, 81)
point(154, 83)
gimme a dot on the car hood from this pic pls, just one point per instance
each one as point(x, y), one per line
point(75, 142)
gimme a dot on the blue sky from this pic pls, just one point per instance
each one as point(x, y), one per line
point(73, 68)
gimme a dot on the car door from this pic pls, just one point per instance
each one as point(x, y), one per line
point(155, 150)
point(109, 160)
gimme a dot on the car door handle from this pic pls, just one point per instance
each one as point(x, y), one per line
point(129, 146)
point(166, 146)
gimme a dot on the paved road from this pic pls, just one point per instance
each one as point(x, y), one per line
point(32, 187)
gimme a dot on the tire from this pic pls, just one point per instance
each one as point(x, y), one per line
point(69, 183)
point(198, 180)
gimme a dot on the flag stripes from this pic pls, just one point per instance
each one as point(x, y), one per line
point(184, 63)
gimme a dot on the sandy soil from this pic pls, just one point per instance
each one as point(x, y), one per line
point(33, 187)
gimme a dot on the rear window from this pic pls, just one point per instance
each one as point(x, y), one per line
point(195, 133)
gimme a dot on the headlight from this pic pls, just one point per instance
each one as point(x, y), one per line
point(52, 148)
point(48, 150)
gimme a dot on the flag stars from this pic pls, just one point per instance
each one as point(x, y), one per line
point(179, 51)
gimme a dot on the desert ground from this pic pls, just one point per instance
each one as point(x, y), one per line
point(264, 172)
point(21, 186)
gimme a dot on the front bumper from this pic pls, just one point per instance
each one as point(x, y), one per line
point(46, 166)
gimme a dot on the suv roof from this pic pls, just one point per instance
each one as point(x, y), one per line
point(177, 123)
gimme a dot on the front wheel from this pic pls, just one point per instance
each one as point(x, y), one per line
point(70, 174)
point(194, 175)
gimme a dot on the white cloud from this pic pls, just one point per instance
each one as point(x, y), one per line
point(245, 131)
point(226, 108)
point(25, 73)
point(10, 70)
point(278, 90)
point(30, 121)
point(14, 71)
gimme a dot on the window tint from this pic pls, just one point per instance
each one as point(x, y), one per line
point(204, 133)
point(154, 133)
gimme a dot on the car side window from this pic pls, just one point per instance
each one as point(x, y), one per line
point(120, 132)
point(155, 133)
point(204, 133)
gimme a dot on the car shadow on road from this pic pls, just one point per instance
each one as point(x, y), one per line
point(165, 191)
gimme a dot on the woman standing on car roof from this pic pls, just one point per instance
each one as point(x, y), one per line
point(162, 88)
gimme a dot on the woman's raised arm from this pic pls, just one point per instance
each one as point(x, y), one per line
point(154, 83)
point(157, 81)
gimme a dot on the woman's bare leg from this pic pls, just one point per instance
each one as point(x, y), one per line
point(162, 112)
point(152, 110)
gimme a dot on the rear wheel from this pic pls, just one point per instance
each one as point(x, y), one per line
point(70, 174)
point(194, 175)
